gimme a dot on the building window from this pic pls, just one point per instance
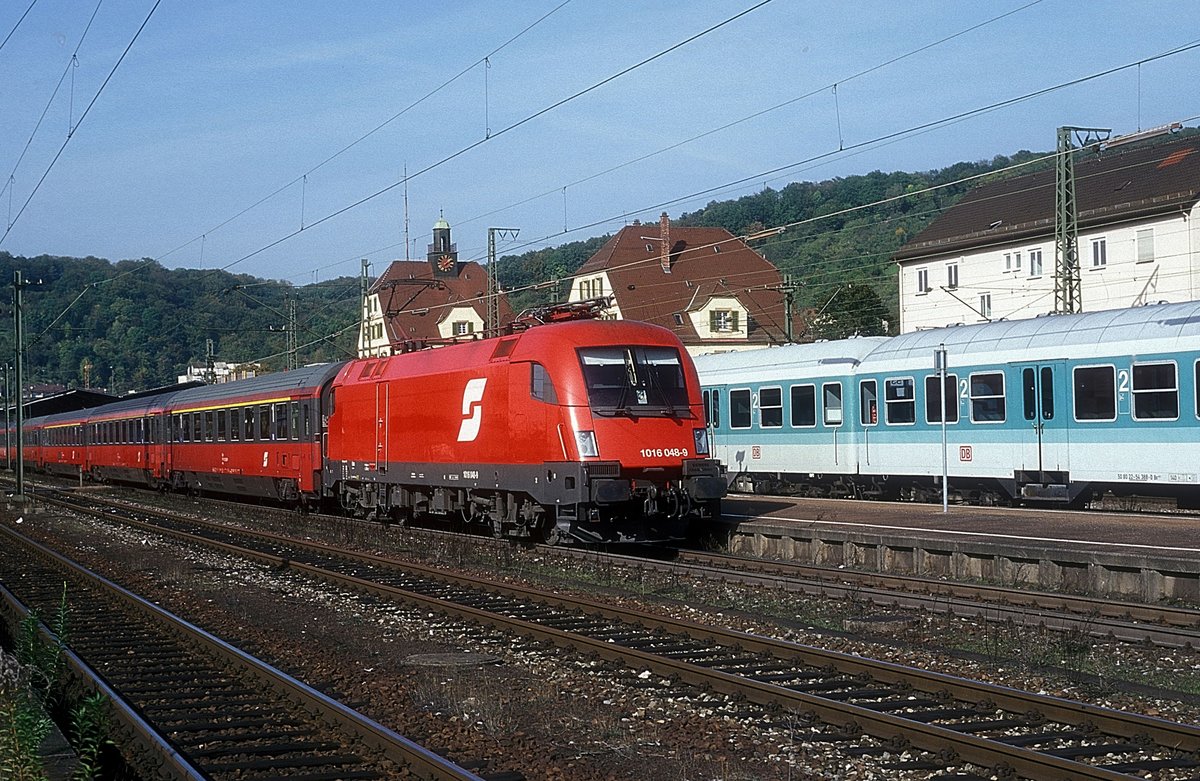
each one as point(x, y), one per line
point(985, 306)
point(585, 290)
point(951, 275)
point(1012, 262)
point(1099, 253)
point(598, 287)
point(770, 408)
point(1035, 263)
point(723, 321)
point(463, 327)
point(922, 281)
point(1145, 245)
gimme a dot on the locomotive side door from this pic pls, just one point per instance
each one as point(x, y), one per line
point(1043, 456)
point(383, 410)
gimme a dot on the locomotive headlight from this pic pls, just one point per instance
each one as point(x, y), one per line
point(701, 437)
point(586, 442)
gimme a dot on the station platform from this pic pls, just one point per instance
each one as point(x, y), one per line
point(1133, 556)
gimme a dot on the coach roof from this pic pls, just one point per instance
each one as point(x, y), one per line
point(303, 380)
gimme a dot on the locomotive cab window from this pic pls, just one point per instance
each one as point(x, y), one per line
point(831, 393)
point(868, 402)
point(739, 408)
point(634, 381)
point(804, 406)
point(947, 397)
point(987, 397)
point(1095, 393)
point(770, 407)
point(1155, 392)
point(900, 400)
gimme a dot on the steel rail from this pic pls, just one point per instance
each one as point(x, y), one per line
point(379, 738)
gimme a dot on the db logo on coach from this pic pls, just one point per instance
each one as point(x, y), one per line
point(965, 453)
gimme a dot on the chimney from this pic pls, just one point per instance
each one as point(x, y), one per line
point(664, 232)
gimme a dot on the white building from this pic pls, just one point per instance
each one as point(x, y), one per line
point(991, 256)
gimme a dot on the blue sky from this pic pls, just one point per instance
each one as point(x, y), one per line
point(220, 104)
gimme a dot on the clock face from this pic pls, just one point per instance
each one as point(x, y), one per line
point(445, 263)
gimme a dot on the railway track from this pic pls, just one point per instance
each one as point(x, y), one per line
point(1164, 625)
point(190, 706)
point(942, 721)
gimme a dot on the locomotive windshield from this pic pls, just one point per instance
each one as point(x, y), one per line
point(634, 380)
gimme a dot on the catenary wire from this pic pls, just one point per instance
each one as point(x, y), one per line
point(82, 116)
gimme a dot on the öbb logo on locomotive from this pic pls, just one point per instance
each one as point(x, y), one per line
point(472, 406)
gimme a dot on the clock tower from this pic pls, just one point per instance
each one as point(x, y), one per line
point(443, 255)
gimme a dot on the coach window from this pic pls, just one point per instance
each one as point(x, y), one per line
point(1155, 392)
point(1196, 387)
point(900, 400)
point(281, 421)
point(248, 424)
point(716, 409)
point(1095, 393)
point(770, 407)
point(739, 408)
point(868, 402)
point(541, 387)
point(306, 420)
point(949, 395)
point(197, 427)
point(295, 420)
point(264, 423)
point(831, 393)
point(804, 406)
point(987, 397)
point(222, 424)
point(210, 427)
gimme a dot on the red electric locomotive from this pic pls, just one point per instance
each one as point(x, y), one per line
point(590, 429)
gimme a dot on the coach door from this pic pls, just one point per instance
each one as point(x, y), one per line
point(1044, 441)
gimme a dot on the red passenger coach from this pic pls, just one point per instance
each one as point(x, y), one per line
point(257, 437)
point(592, 429)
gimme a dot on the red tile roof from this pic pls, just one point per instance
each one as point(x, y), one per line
point(1118, 183)
point(414, 301)
point(704, 263)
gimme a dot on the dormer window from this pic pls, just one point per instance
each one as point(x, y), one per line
point(723, 321)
